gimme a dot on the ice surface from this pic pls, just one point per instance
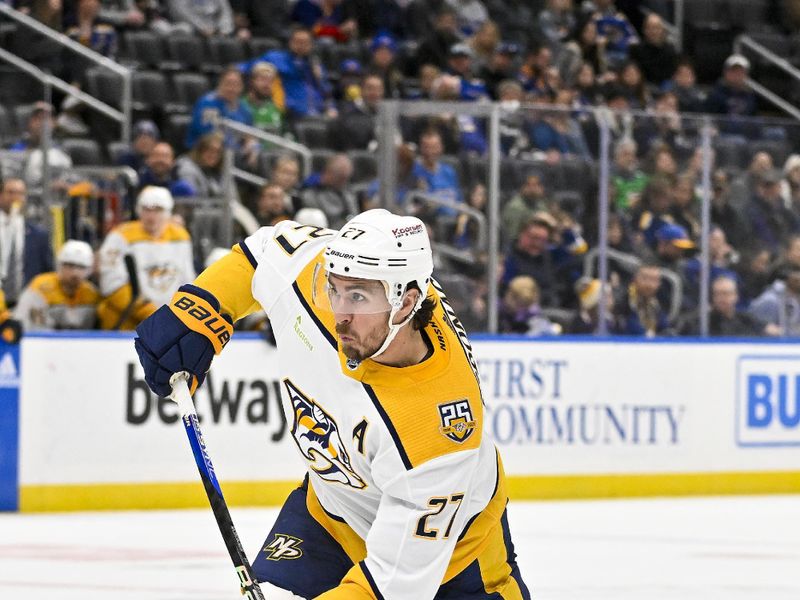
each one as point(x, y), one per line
point(682, 549)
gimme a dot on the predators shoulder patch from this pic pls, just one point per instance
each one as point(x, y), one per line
point(458, 423)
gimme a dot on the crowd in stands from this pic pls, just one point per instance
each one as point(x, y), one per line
point(316, 71)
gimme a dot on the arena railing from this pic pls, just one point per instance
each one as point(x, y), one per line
point(122, 116)
point(745, 42)
point(271, 138)
point(699, 143)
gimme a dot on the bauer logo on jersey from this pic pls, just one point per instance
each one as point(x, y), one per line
point(283, 547)
point(457, 420)
point(317, 436)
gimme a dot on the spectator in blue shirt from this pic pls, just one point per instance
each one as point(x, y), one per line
point(222, 103)
point(159, 170)
point(304, 81)
point(433, 176)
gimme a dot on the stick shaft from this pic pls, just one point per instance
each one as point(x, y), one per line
point(181, 395)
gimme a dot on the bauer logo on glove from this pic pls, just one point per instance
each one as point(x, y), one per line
point(193, 313)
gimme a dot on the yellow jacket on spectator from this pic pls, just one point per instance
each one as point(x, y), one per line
point(44, 304)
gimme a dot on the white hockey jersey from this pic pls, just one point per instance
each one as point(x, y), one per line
point(399, 454)
point(163, 264)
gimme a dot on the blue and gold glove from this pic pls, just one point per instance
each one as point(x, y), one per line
point(183, 335)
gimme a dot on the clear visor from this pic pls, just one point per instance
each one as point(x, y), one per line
point(348, 295)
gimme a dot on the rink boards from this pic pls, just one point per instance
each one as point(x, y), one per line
point(572, 418)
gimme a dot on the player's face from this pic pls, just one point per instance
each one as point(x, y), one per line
point(361, 311)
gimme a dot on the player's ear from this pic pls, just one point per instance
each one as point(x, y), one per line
point(409, 302)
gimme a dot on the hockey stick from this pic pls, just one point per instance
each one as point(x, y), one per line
point(180, 394)
point(133, 278)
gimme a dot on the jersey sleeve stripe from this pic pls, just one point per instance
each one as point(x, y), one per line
point(248, 254)
point(389, 426)
point(469, 522)
point(371, 581)
point(328, 335)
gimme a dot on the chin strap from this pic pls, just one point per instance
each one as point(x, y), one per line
point(395, 328)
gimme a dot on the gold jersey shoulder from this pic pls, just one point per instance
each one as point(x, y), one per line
point(430, 409)
point(433, 408)
point(133, 231)
point(50, 289)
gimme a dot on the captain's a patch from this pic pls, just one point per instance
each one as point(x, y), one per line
point(458, 423)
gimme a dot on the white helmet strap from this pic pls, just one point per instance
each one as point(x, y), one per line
point(394, 328)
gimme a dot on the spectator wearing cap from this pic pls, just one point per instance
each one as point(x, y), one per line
point(779, 304)
point(162, 254)
point(499, 68)
point(222, 103)
point(587, 320)
point(145, 136)
point(383, 54)
point(264, 98)
point(731, 96)
point(303, 80)
point(638, 311)
point(349, 85)
point(206, 17)
point(770, 221)
point(64, 299)
point(41, 116)
point(356, 126)
point(655, 55)
point(434, 49)
point(552, 265)
point(159, 170)
point(325, 18)
point(24, 247)
point(459, 64)
point(520, 311)
point(672, 243)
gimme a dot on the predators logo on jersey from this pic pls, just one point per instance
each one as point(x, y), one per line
point(317, 436)
point(283, 547)
point(162, 277)
point(457, 420)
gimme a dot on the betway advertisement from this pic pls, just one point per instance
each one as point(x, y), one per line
point(554, 408)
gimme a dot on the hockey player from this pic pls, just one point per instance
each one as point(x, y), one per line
point(162, 252)
point(405, 494)
point(64, 299)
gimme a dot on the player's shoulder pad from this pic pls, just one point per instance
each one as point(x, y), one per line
point(175, 233)
point(45, 283)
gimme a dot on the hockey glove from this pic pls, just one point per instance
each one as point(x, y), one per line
point(183, 335)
